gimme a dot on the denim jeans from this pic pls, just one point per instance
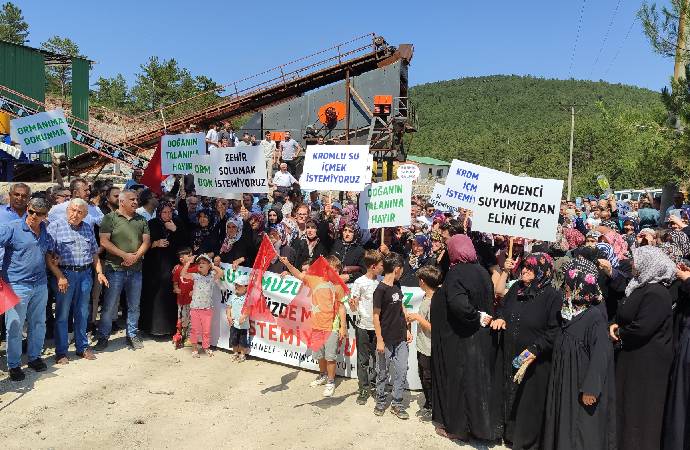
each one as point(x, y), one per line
point(130, 281)
point(396, 355)
point(366, 354)
point(32, 308)
point(77, 299)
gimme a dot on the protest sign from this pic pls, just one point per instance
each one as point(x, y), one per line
point(274, 342)
point(369, 169)
point(238, 170)
point(518, 206)
point(463, 181)
point(40, 131)
point(386, 204)
point(177, 151)
point(203, 179)
point(441, 201)
point(335, 168)
point(408, 172)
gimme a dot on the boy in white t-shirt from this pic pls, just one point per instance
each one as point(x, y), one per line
point(362, 301)
point(238, 321)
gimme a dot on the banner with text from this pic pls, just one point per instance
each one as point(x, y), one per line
point(441, 200)
point(518, 206)
point(40, 131)
point(178, 150)
point(335, 168)
point(386, 204)
point(288, 346)
point(463, 181)
point(239, 170)
point(203, 179)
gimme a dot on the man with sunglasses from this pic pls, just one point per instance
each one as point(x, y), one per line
point(26, 243)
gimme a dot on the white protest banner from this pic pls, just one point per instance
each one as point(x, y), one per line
point(463, 181)
point(203, 179)
point(408, 172)
point(287, 346)
point(369, 169)
point(440, 200)
point(518, 206)
point(335, 168)
point(386, 204)
point(40, 131)
point(177, 151)
point(238, 170)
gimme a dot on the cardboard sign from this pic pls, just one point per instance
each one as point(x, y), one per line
point(463, 182)
point(518, 206)
point(386, 204)
point(408, 172)
point(441, 201)
point(203, 178)
point(272, 342)
point(41, 131)
point(178, 150)
point(239, 170)
point(335, 168)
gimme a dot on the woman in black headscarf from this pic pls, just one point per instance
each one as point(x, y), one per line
point(529, 316)
point(464, 400)
point(580, 402)
point(158, 302)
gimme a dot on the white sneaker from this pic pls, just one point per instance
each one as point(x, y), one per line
point(320, 381)
point(329, 390)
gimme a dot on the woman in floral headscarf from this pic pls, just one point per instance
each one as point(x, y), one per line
point(529, 316)
point(677, 245)
point(643, 331)
point(234, 249)
point(580, 399)
point(419, 255)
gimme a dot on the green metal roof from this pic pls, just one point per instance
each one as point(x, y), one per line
point(428, 161)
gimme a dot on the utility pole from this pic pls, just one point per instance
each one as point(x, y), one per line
point(570, 159)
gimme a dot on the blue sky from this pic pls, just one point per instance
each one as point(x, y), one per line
point(228, 40)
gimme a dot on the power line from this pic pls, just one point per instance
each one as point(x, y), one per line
point(577, 39)
point(620, 47)
point(606, 37)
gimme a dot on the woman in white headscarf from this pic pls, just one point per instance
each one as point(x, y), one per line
point(643, 332)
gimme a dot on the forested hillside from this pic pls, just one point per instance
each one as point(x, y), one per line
point(497, 121)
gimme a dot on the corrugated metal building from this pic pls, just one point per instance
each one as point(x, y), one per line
point(22, 69)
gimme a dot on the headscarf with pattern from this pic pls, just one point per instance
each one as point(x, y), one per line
point(652, 265)
point(229, 241)
point(620, 247)
point(574, 237)
point(542, 266)
point(581, 289)
point(609, 254)
point(416, 261)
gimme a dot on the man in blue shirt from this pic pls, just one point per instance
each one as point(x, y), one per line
point(26, 244)
point(79, 188)
point(16, 208)
point(77, 250)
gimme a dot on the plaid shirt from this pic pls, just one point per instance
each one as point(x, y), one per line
point(74, 247)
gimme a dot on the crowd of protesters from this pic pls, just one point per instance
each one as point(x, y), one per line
point(579, 343)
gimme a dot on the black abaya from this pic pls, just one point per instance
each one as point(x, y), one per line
point(463, 353)
point(531, 323)
point(582, 362)
point(642, 366)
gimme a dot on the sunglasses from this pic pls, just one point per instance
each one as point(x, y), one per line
point(32, 212)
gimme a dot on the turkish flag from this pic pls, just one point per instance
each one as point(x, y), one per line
point(255, 303)
point(152, 174)
point(8, 299)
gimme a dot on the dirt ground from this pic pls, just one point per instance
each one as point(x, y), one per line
point(159, 397)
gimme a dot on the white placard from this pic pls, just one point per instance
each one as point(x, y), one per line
point(40, 131)
point(441, 201)
point(335, 168)
point(271, 342)
point(177, 151)
point(408, 172)
point(239, 170)
point(518, 206)
point(203, 177)
point(463, 182)
point(386, 204)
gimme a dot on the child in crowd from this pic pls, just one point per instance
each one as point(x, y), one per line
point(201, 307)
point(429, 281)
point(392, 336)
point(328, 321)
point(239, 322)
point(362, 301)
point(182, 287)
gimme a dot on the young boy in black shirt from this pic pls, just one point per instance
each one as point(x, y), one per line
point(392, 336)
